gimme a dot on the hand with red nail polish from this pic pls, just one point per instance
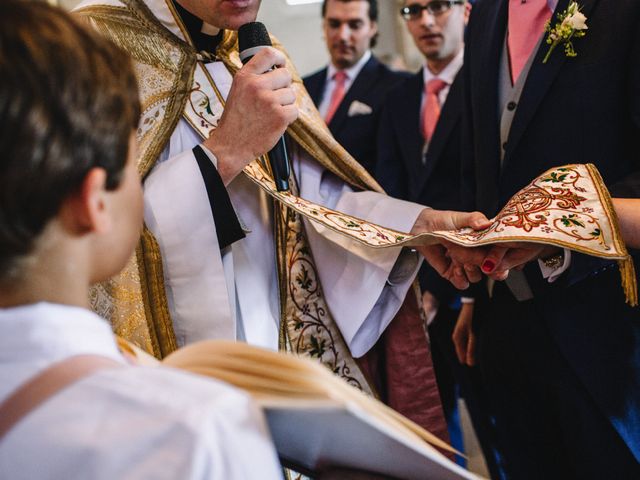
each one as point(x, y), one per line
point(448, 264)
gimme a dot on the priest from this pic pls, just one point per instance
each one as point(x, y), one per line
point(219, 257)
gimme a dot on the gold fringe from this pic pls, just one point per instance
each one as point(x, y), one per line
point(629, 283)
point(626, 266)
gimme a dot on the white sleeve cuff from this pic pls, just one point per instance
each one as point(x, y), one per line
point(552, 274)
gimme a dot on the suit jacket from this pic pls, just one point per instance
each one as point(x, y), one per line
point(357, 133)
point(572, 110)
point(400, 169)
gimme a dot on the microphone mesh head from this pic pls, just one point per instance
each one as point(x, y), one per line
point(253, 34)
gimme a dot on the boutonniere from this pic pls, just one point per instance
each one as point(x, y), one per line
point(571, 24)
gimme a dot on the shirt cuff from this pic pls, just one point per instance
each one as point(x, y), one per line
point(405, 267)
point(228, 226)
point(552, 274)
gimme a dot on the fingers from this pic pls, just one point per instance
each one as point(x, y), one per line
point(493, 258)
point(475, 220)
point(465, 255)
point(265, 60)
point(458, 337)
point(500, 275)
point(275, 79)
point(470, 357)
point(473, 273)
point(460, 345)
point(284, 96)
point(289, 114)
point(478, 221)
point(436, 256)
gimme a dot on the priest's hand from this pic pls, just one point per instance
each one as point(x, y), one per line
point(259, 108)
point(464, 269)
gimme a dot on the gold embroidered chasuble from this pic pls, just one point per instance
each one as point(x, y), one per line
point(174, 84)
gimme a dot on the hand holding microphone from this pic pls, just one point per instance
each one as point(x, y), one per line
point(259, 108)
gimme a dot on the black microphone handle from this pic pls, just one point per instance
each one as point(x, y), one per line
point(278, 158)
point(279, 161)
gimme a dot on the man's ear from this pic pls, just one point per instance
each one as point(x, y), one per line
point(87, 210)
point(467, 12)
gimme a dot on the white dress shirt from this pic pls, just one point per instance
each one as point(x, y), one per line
point(330, 84)
point(126, 423)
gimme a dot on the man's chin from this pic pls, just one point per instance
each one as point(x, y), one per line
point(343, 62)
point(233, 16)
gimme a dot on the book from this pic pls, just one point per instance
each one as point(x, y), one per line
point(317, 420)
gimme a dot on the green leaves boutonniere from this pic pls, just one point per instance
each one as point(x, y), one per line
point(571, 24)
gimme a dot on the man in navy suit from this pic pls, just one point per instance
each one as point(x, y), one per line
point(419, 160)
point(350, 90)
point(561, 354)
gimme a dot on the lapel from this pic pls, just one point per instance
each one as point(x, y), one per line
point(446, 123)
point(482, 58)
point(315, 85)
point(363, 82)
point(407, 116)
point(541, 77)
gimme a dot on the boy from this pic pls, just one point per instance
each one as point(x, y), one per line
point(70, 215)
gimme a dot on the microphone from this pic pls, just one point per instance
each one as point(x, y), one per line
point(253, 37)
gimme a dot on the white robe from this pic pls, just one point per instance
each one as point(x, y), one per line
point(124, 423)
point(233, 294)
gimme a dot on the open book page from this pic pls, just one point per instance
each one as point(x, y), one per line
point(288, 385)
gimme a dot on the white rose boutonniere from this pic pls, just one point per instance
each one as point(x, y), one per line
point(572, 23)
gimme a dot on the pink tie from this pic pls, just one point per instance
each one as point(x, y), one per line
point(340, 78)
point(526, 24)
point(431, 108)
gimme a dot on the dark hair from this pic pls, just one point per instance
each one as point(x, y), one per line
point(68, 103)
point(373, 13)
point(373, 8)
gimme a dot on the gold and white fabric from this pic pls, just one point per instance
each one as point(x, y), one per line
point(306, 289)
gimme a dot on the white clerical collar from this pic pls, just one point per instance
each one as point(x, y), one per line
point(209, 29)
point(448, 74)
point(352, 72)
point(50, 332)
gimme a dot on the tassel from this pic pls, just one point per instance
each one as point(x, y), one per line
point(629, 284)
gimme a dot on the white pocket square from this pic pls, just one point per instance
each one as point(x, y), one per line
point(359, 108)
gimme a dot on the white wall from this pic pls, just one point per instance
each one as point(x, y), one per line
point(299, 28)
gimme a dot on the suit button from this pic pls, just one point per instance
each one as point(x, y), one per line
point(511, 106)
point(504, 146)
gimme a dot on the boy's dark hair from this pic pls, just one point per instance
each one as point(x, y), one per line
point(68, 103)
point(373, 14)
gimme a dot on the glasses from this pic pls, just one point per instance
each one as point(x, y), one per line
point(435, 8)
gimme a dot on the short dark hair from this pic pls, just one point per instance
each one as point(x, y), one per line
point(373, 13)
point(373, 8)
point(68, 103)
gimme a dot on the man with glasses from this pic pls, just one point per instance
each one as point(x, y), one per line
point(350, 90)
point(419, 156)
point(561, 357)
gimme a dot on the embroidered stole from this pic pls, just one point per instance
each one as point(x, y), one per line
point(306, 325)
